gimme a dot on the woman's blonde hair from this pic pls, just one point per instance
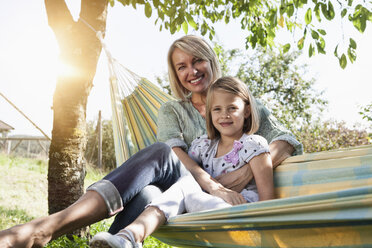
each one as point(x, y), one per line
point(198, 48)
point(236, 87)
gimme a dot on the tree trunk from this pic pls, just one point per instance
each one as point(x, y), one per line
point(79, 51)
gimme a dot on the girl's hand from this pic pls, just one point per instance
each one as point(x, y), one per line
point(236, 180)
point(229, 196)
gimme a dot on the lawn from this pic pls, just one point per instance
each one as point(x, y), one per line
point(24, 192)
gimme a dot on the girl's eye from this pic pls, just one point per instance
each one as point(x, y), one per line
point(181, 68)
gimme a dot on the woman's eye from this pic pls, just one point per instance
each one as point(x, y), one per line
point(181, 68)
point(198, 60)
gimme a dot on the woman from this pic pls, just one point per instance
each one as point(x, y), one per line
point(192, 65)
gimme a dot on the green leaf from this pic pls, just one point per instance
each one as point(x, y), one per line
point(311, 50)
point(203, 29)
point(343, 13)
point(353, 44)
point(300, 43)
point(148, 10)
point(314, 34)
point(286, 47)
point(134, 4)
point(290, 10)
point(155, 3)
point(328, 11)
point(351, 54)
point(190, 20)
point(331, 11)
point(335, 52)
point(320, 47)
point(317, 12)
point(185, 27)
point(308, 16)
point(322, 31)
point(343, 61)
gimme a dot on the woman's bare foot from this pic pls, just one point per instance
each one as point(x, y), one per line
point(28, 235)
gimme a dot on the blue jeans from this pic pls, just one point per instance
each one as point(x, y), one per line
point(155, 165)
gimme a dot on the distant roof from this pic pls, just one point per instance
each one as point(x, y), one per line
point(5, 127)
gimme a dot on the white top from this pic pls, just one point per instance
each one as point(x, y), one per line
point(203, 151)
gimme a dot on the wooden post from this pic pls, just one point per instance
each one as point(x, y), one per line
point(28, 148)
point(9, 144)
point(99, 125)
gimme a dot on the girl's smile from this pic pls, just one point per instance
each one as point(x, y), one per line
point(228, 112)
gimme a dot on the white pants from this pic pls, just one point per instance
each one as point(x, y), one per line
point(186, 196)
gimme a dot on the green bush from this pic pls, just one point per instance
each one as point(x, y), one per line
point(323, 136)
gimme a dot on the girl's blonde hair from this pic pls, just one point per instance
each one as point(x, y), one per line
point(236, 87)
point(198, 48)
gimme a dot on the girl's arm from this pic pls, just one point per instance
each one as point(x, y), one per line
point(206, 182)
point(262, 169)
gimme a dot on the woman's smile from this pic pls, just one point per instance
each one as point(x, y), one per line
point(193, 73)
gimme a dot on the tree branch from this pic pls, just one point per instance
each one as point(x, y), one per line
point(58, 14)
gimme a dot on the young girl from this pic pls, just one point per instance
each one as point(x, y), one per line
point(232, 119)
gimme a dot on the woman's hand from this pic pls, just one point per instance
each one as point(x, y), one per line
point(229, 196)
point(236, 180)
point(279, 151)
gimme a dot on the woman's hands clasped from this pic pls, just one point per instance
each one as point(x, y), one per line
point(236, 180)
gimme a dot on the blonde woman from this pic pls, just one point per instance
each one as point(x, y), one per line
point(193, 65)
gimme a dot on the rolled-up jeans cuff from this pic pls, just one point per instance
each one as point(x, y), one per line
point(110, 195)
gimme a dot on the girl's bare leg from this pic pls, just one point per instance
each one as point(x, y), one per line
point(146, 223)
point(89, 209)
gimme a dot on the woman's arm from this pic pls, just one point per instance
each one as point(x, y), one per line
point(237, 179)
point(263, 175)
point(274, 131)
point(279, 151)
point(206, 182)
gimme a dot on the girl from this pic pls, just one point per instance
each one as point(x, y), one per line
point(232, 118)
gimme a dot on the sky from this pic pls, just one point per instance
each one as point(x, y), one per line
point(29, 63)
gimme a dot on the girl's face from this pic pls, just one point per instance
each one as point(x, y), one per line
point(194, 73)
point(228, 114)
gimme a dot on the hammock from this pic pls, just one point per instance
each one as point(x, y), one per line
point(324, 199)
point(135, 102)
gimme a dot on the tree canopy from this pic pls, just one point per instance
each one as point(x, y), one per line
point(263, 20)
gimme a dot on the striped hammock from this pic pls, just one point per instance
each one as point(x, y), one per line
point(135, 102)
point(324, 199)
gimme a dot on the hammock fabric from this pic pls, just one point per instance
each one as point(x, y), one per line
point(135, 102)
point(324, 199)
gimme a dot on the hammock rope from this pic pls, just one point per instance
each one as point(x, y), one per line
point(135, 103)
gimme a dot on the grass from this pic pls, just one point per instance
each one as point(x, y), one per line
point(24, 196)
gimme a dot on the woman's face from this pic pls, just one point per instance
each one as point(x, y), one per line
point(194, 73)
